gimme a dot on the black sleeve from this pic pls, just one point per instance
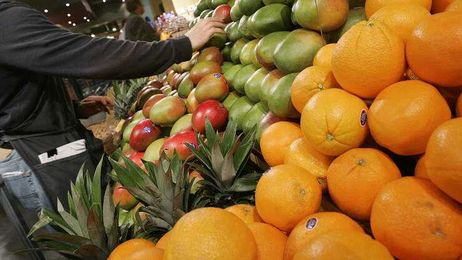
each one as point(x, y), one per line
point(137, 29)
point(30, 42)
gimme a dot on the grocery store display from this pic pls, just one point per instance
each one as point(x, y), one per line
point(310, 129)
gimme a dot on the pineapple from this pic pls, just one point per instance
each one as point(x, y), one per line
point(229, 176)
point(125, 96)
point(90, 228)
point(164, 190)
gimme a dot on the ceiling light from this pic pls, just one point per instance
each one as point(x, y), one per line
point(45, 11)
point(114, 29)
point(67, 4)
point(88, 20)
point(68, 15)
point(110, 37)
point(104, 1)
point(69, 22)
point(85, 18)
point(123, 1)
point(92, 35)
point(74, 24)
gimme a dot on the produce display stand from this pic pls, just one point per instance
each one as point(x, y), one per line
point(308, 125)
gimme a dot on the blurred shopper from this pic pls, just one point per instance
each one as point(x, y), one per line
point(136, 26)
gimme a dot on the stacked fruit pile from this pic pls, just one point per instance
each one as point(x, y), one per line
point(343, 97)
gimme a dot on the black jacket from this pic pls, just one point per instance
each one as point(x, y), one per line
point(34, 54)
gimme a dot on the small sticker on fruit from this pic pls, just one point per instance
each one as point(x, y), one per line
point(147, 130)
point(363, 119)
point(217, 75)
point(311, 223)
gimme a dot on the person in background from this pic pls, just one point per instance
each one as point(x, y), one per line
point(136, 27)
point(38, 121)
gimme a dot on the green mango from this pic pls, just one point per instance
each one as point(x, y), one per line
point(253, 84)
point(268, 83)
point(216, 3)
point(270, 18)
point(286, 2)
point(204, 14)
point(254, 116)
point(226, 51)
point(297, 51)
point(237, 49)
point(248, 54)
point(266, 47)
point(218, 40)
point(279, 101)
point(248, 7)
point(226, 66)
point(238, 110)
point(184, 123)
point(230, 99)
point(243, 28)
point(232, 31)
point(355, 16)
point(242, 76)
point(231, 72)
point(185, 87)
point(236, 13)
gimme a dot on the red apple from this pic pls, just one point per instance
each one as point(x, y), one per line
point(178, 143)
point(123, 198)
point(223, 12)
point(212, 111)
point(143, 134)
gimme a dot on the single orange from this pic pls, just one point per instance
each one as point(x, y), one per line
point(324, 56)
point(317, 224)
point(443, 158)
point(344, 245)
point(334, 121)
point(355, 177)
point(270, 241)
point(285, 194)
point(402, 18)
point(276, 139)
point(302, 154)
point(404, 115)
point(310, 81)
point(415, 220)
point(434, 49)
point(455, 6)
point(373, 6)
point(420, 169)
point(211, 233)
point(136, 249)
point(368, 58)
point(247, 213)
point(163, 241)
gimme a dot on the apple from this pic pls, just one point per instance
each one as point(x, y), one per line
point(178, 143)
point(212, 111)
point(143, 134)
point(123, 198)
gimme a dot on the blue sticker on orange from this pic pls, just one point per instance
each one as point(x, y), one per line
point(311, 223)
point(363, 119)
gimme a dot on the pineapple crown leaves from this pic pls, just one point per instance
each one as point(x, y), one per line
point(164, 189)
point(125, 95)
point(89, 229)
point(224, 163)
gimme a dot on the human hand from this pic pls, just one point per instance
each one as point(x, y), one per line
point(201, 33)
point(93, 105)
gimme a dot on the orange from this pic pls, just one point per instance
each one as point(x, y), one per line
point(420, 169)
point(334, 121)
point(136, 249)
point(443, 158)
point(373, 6)
point(163, 241)
point(439, 6)
point(302, 154)
point(245, 212)
point(343, 245)
point(317, 224)
point(355, 177)
point(276, 139)
point(455, 6)
point(459, 106)
point(310, 81)
point(324, 56)
point(285, 194)
point(404, 115)
point(415, 220)
point(211, 233)
point(368, 58)
point(434, 50)
point(402, 18)
point(270, 241)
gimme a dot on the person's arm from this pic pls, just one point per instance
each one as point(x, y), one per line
point(29, 41)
